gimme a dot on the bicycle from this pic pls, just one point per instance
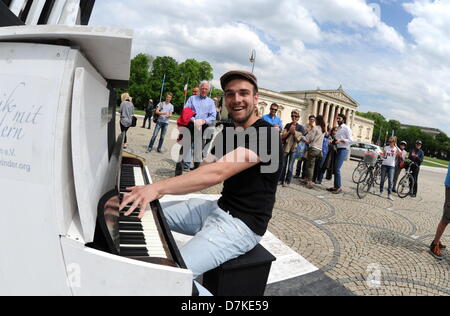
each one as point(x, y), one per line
point(367, 179)
point(360, 169)
point(363, 166)
point(406, 183)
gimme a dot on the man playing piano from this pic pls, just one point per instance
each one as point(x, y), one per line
point(246, 156)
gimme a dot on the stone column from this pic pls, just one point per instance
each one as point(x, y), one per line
point(352, 120)
point(322, 103)
point(314, 109)
point(333, 113)
point(327, 113)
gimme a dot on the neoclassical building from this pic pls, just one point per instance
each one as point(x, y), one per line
point(328, 103)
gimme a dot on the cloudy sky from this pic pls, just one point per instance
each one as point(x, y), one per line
point(392, 56)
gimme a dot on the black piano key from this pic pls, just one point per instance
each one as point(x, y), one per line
point(131, 227)
point(129, 219)
point(126, 241)
point(131, 235)
point(134, 252)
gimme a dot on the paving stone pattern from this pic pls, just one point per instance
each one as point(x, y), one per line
point(372, 246)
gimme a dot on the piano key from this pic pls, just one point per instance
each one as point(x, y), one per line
point(139, 178)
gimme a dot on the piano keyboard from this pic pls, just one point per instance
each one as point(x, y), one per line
point(138, 237)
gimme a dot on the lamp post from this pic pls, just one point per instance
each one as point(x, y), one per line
point(253, 59)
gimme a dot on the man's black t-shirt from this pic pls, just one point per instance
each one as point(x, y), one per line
point(250, 195)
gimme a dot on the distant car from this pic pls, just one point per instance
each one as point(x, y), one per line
point(359, 149)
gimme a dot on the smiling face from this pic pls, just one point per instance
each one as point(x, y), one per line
point(204, 88)
point(241, 101)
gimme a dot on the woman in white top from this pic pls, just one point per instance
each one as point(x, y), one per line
point(390, 154)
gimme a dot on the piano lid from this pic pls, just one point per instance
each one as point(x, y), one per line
point(108, 49)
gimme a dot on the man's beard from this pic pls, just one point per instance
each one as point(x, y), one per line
point(247, 116)
point(340, 123)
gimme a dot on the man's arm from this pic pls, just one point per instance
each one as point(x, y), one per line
point(202, 178)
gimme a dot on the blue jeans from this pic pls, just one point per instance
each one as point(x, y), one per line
point(320, 172)
point(159, 127)
point(218, 236)
point(390, 173)
point(288, 165)
point(342, 154)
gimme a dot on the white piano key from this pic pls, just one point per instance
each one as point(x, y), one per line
point(57, 9)
point(70, 13)
point(155, 247)
point(138, 177)
point(17, 6)
point(35, 12)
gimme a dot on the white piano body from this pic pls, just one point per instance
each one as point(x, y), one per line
point(54, 165)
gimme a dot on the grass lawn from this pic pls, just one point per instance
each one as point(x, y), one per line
point(443, 162)
point(431, 164)
point(142, 112)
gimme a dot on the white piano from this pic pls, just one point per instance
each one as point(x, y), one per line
point(61, 170)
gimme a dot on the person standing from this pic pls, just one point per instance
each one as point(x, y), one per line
point(126, 114)
point(272, 117)
point(436, 246)
point(417, 157)
point(391, 154)
point(291, 136)
point(343, 141)
point(218, 109)
point(149, 109)
point(205, 114)
point(301, 164)
point(398, 165)
point(319, 169)
point(329, 166)
point(186, 150)
point(164, 111)
point(314, 139)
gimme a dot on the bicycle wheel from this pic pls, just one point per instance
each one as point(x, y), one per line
point(364, 184)
point(405, 186)
point(359, 170)
point(377, 175)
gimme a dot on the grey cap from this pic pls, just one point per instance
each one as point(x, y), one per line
point(238, 74)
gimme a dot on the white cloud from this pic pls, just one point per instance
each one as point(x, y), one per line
point(303, 44)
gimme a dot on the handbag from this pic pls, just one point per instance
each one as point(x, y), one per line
point(133, 121)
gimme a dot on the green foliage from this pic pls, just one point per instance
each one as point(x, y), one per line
point(147, 74)
point(433, 147)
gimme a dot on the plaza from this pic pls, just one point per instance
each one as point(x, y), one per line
point(371, 247)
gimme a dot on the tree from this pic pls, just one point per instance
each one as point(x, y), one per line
point(139, 76)
point(147, 73)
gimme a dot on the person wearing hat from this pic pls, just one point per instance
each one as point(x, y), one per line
point(401, 157)
point(246, 156)
point(416, 156)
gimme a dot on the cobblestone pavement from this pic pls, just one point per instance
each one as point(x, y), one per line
point(353, 241)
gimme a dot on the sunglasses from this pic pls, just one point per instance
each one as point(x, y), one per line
point(274, 109)
point(295, 116)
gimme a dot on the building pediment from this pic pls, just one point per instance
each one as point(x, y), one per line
point(340, 95)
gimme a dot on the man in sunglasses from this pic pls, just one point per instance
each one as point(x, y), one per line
point(272, 117)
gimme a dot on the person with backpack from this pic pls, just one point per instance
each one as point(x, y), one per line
point(149, 109)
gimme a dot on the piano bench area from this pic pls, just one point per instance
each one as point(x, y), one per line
point(246, 275)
